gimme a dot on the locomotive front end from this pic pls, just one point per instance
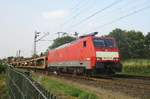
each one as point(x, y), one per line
point(107, 54)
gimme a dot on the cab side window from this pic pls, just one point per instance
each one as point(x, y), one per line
point(84, 44)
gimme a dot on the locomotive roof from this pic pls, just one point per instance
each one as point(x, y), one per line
point(81, 38)
point(64, 45)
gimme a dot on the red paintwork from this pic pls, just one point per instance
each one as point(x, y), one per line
point(76, 52)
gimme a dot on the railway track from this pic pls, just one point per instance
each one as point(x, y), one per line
point(134, 86)
point(137, 86)
point(128, 78)
point(131, 76)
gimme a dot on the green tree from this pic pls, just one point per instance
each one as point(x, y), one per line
point(2, 67)
point(35, 55)
point(130, 43)
point(122, 42)
point(147, 45)
point(60, 41)
point(136, 44)
point(10, 58)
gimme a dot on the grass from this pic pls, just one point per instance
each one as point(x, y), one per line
point(3, 88)
point(62, 89)
point(137, 67)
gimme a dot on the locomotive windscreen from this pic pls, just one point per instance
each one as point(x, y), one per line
point(98, 42)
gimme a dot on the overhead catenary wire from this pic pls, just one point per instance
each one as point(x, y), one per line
point(124, 16)
point(97, 12)
point(83, 10)
point(75, 15)
point(128, 5)
point(74, 9)
point(121, 10)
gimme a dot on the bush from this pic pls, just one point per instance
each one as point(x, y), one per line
point(2, 68)
point(3, 87)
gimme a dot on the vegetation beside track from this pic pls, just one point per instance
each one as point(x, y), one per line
point(63, 90)
point(3, 88)
point(137, 67)
point(2, 67)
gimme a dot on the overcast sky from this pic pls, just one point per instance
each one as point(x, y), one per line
point(20, 18)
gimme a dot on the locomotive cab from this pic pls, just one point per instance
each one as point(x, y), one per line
point(107, 54)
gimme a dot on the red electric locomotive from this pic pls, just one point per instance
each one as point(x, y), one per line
point(88, 53)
